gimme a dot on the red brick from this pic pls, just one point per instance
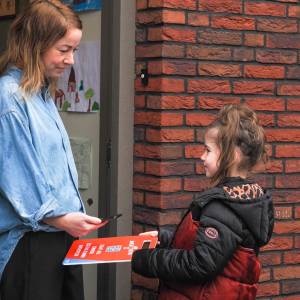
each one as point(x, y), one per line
point(171, 16)
point(254, 39)
point(289, 120)
point(138, 198)
point(148, 50)
point(167, 201)
point(297, 212)
point(208, 86)
point(158, 118)
point(243, 54)
point(291, 257)
point(264, 103)
point(277, 25)
point(160, 16)
point(183, 4)
point(200, 168)
point(287, 151)
point(222, 70)
point(291, 286)
point(283, 135)
point(293, 104)
point(196, 184)
point(286, 297)
point(233, 22)
point(210, 102)
point(287, 181)
point(293, 72)
point(198, 19)
point(171, 102)
point(286, 272)
point(158, 151)
point(276, 56)
point(257, 71)
point(200, 135)
point(208, 36)
point(286, 227)
point(279, 243)
point(274, 166)
point(139, 165)
point(155, 184)
point(139, 101)
point(283, 212)
point(278, 40)
point(270, 258)
point(139, 65)
point(208, 53)
point(254, 87)
point(283, 197)
point(265, 275)
point(294, 11)
point(194, 151)
point(154, 217)
point(227, 6)
point(265, 181)
point(292, 166)
point(265, 8)
point(171, 34)
point(141, 34)
point(177, 67)
point(199, 119)
point(145, 17)
point(141, 4)
point(268, 289)
point(170, 135)
point(266, 119)
point(166, 85)
point(159, 168)
point(174, 51)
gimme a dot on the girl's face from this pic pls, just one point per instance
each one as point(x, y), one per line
point(212, 153)
point(61, 54)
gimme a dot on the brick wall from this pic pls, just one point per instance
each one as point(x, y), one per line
point(201, 55)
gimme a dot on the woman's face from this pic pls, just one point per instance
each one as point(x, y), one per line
point(61, 54)
point(211, 155)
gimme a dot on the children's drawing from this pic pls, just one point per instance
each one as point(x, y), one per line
point(81, 5)
point(78, 90)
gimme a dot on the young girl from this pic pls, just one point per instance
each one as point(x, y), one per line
point(41, 210)
point(213, 253)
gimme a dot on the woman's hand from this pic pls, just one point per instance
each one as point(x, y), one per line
point(76, 224)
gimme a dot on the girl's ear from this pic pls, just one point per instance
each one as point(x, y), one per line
point(237, 156)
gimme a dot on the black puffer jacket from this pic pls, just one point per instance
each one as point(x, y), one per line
point(237, 213)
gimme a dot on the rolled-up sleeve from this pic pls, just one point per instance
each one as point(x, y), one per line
point(23, 179)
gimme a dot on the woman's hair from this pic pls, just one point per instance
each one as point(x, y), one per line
point(34, 31)
point(237, 126)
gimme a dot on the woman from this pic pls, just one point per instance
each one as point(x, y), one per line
point(41, 210)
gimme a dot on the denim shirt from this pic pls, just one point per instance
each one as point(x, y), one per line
point(38, 177)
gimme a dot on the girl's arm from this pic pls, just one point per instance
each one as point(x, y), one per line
point(208, 257)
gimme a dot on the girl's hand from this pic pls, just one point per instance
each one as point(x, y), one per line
point(152, 233)
point(76, 224)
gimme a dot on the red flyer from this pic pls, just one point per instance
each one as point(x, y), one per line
point(107, 250)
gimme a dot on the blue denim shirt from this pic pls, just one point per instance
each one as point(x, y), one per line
point(38, 177)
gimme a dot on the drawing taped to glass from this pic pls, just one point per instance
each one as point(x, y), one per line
point(78, 90)
point(82, 5)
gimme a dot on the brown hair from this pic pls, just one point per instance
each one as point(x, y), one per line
point(237, 126)
point(33, 32)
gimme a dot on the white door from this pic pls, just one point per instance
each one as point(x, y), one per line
point(87, 126)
